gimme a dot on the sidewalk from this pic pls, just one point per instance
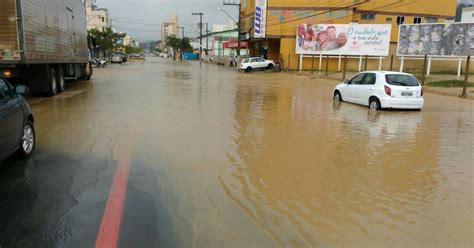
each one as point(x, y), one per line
point(453, 91)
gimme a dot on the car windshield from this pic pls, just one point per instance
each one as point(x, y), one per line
point(401, 80)
point(246, 60)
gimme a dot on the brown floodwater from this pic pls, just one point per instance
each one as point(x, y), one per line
point(231, 159)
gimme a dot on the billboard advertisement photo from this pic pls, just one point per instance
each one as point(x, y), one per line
point(260, 19)
point(437, 39)
point(343, 39)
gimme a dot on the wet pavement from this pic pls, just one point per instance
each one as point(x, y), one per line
point(226, 159)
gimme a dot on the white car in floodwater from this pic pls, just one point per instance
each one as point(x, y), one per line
point(250, 64)
point(382, 90)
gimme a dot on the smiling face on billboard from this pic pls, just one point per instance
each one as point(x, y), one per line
point(343, 39)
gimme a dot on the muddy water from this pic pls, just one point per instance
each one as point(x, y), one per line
point(229, 159)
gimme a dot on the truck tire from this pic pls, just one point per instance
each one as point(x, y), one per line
point(53, 86)
point(88, 72)
point(60, 80)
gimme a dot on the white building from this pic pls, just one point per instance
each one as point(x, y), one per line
point(467, 14)
point(127, 40)
point(96, 17)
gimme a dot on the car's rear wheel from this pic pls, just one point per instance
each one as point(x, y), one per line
point(249, 69)
point(28, 140)
point(374, 104)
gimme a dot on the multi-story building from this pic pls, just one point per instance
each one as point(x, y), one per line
point(283, 16)
point(467, 14)
point(168, 29)
point(97, 18)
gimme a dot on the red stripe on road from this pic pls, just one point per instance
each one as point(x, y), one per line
point(110, 227)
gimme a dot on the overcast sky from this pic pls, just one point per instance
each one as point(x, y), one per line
point(158, 11)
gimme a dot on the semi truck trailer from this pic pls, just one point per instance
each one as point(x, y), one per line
point(43, 43)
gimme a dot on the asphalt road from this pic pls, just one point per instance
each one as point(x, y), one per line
point(171, 154)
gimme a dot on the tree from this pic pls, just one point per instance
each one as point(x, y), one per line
point(105, 40)
point(173, 42)
point(178, 44)
point(132, 50)
point(185, 45)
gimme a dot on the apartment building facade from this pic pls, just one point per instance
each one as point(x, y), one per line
point(97, 18)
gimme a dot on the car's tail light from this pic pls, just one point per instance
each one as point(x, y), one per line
point(421, 94)
point(388, 90)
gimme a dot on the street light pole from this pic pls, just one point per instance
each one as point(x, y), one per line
point(238, 23)
point(200, 14)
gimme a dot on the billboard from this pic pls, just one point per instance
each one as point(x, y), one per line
point(343, 39)
point(260, 20)
point(437, 39)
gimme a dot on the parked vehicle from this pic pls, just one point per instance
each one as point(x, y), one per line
point(43, 42)
point(17, 132)
point(164, 55)
point(117, 58)
point(123, 55)
point(250, 64)
point(381, 90)
point(101, 63)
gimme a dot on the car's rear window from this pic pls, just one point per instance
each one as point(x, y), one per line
point(401, 80)
point(246, 60)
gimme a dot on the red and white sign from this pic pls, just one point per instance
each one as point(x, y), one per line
point(234, 44)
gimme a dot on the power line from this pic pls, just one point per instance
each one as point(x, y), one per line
point(352, 15)
point(139, 23)
point(304, 15)
point(138, 29)
point(200, 14)
point(325, 12)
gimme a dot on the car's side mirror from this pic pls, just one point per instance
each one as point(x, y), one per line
point(347, 81)
point(21, 90)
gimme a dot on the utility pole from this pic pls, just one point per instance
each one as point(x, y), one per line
point(181, 52)
point(182, 32)
point(207, 38)
point(233, 3)
point(200, 14)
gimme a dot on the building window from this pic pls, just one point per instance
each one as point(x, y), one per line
point(388, 19)
point(431, 20)
point(400, 20)
point(368, 16)
point(103, 19)
point(417, 20)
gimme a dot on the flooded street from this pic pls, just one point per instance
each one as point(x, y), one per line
point(225, 159)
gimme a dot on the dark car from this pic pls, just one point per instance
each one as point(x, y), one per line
point(123, 55)
point(17, 133)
